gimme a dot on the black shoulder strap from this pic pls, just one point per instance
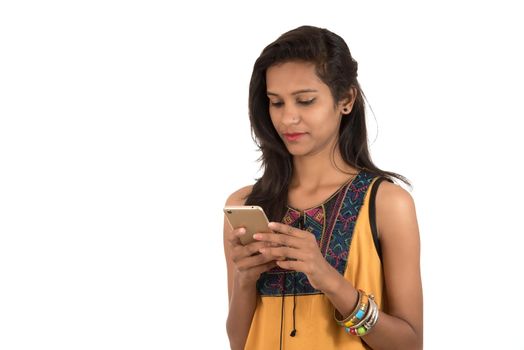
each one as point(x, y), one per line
point(372, 214)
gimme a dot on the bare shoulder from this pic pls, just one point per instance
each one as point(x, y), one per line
point(239, 196)
point(391, 196)
point(395, 208)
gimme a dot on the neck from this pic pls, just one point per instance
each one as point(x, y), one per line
point(321, 169)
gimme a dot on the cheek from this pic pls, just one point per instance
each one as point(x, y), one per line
point(329, 122)
point(324, 116)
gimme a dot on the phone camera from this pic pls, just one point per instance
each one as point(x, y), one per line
point(229, 211)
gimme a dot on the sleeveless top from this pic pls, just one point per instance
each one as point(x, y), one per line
point(345, 229)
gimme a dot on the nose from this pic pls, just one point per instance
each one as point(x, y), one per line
point(290, 114)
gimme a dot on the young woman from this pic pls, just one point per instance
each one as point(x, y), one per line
point(341, 269)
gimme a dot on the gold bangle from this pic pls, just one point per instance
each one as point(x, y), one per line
point(358, 313)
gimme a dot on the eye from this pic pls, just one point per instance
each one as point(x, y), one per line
point(276, 104)
point(306, 102)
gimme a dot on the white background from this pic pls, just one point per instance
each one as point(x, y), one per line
point(123, 129)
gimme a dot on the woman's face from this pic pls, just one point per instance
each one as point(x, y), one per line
point(302, 108)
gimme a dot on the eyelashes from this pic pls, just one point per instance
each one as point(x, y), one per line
point(300, 102)
point(306, 102)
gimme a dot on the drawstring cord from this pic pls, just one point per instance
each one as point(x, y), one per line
point(283, 289)
point(294, 331)
point(301, 225)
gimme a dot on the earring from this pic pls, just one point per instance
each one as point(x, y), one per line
point(345, 110)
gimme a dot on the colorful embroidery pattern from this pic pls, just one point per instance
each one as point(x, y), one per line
point(332, 223)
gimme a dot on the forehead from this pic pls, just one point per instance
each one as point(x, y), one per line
point(284, 78)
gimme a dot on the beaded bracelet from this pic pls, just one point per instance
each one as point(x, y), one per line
point(358, 313)
point(368, 322)
point(367, 317)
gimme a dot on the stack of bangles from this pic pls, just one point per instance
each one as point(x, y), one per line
point(363, 318)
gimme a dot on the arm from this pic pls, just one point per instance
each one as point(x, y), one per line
point(401, 326)
point(244, 266)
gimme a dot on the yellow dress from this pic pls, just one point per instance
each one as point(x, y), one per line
point(343, 230)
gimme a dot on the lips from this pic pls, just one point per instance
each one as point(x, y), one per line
point(294, 136)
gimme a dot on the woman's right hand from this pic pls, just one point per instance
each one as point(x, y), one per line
point(247, 260)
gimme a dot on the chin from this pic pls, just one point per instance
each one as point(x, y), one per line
point(297, 152)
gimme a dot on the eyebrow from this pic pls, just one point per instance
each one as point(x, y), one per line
point(293, 93)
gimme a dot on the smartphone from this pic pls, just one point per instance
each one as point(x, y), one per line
point(251, 217)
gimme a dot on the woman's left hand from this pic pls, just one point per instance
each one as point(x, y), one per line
point(301, 246)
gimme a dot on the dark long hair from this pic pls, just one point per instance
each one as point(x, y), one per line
point(338, 70)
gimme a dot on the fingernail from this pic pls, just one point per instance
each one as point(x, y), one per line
point(262, 250)
point(257, 236)
point(242, 230)
point(271, 224)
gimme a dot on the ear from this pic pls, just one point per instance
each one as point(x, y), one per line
point(345, 105)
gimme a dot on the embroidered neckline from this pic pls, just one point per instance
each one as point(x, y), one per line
point(332, 225)
point(336, 193)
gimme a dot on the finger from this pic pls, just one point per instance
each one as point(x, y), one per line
point(276, 239)
point(234, 236)
point(286, 229)
point(294, 265)
point(252, 261)
point(242, 251)
point(281, 253)
point(257, 270)
point(268, 266)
